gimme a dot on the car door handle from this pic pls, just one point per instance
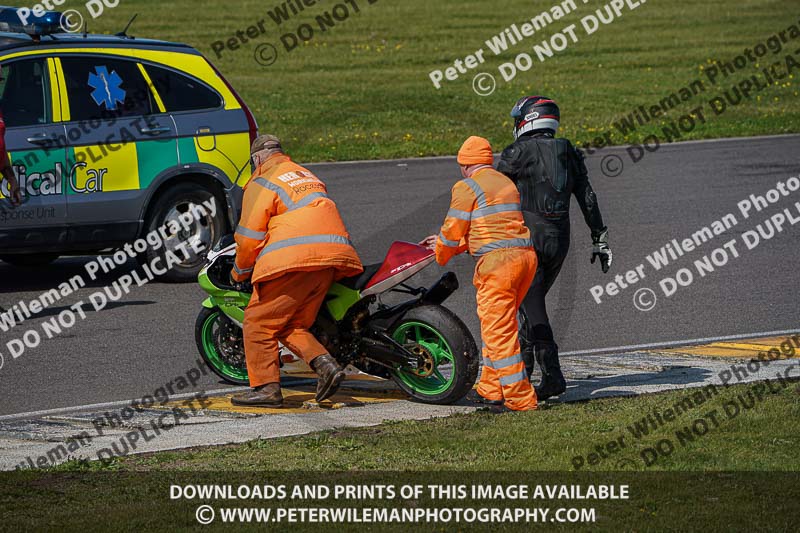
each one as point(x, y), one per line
point(39, 138)
point(154, 131)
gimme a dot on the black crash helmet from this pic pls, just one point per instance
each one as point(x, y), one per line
point(535, 113)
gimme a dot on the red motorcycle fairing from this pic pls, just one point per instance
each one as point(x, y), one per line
point(403, 260)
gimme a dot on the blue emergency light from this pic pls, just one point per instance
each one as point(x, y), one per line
point(24, 20)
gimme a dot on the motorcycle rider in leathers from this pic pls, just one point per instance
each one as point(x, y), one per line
point(547, 172)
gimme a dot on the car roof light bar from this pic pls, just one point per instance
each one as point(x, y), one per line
point(25, 20)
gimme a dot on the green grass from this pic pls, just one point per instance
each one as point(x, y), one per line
point(763, 438)
point(361, 90)
point(740, 475)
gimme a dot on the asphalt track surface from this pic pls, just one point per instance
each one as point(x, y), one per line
point(137, 345)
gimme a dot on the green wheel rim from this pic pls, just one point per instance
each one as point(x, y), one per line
point(213, 355)
point(410, 333)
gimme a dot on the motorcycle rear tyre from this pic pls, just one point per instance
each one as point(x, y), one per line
point(438, 320)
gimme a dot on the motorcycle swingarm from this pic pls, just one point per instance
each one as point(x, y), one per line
point(386, 351)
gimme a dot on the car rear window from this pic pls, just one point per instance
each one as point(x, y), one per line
point(182, 93)
point(99, 86)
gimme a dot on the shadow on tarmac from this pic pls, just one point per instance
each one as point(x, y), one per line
point(46, 277)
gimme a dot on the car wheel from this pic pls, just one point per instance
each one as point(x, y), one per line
point(29, 260)
point(204, 231)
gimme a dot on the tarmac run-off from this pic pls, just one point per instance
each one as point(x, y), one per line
point(675, 249)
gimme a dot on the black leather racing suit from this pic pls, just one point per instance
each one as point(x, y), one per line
point(547, 172)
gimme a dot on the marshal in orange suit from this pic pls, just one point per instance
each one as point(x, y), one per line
point(485, 219)
point(292, 245)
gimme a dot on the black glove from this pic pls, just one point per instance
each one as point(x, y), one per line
point(241, 286)
point(600, 249)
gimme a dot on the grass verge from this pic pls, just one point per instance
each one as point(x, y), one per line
point(714, 473)
point(361, 89)
point(763, 434)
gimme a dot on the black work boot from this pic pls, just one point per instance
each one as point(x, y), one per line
point(268, 395)
point(553, 382)
point(330, 376)
point(475, 397)
point(496, 409)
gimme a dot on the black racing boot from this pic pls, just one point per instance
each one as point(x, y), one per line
point(553, 382)
point(529, 358)
point(268, 395)
point(526, 343)
point(330, 376)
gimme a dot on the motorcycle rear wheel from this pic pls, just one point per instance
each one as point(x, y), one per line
point(208, 334)
point(445, 342)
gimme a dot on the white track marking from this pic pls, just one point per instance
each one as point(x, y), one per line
point(109, 405)
point(687, 342)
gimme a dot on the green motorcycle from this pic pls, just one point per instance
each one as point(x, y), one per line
point(424, 347)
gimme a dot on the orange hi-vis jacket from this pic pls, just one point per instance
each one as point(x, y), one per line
point(484, 216)
point(288, 224)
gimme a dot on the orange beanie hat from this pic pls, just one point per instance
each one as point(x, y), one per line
point(475, 151)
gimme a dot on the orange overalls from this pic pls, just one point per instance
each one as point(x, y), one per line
point(294, 244)
point(485, 219)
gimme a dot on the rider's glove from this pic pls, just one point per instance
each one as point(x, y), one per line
point(600, 249)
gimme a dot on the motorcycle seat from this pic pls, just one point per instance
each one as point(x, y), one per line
point(359, 282)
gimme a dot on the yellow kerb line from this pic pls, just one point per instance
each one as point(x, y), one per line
point(746, 349)
point(295, 401)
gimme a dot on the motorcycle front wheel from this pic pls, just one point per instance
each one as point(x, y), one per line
point(447, 351)
point(220, 343)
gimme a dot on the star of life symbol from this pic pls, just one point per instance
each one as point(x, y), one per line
point(107, 88)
